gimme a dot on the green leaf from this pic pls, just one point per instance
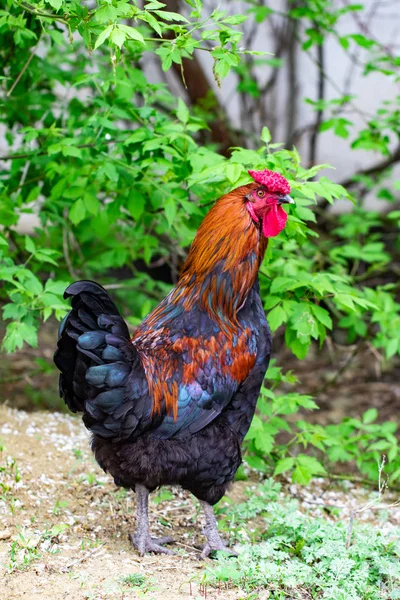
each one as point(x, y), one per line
point(362, 41)
point(29, 244)
point(182, 112)
point(255, 462)
point(56, 4)
point(92, 204)
point(170, 16)
point(264, 442)
point(170, 210)
point(104, 35)
point(370, 415)
point(233, 172)
point(301, 475)
point(56, 287)
point(392, 347)
point(132, 33)
point(111, 171)
point(306, 468)
point(30, 281)
point(266, 135)
point(276, 317)
point(222, 68)
point(71, 151)
point(136, 204)
point(17, 333)
point(14, 311)
point(57, 37)
point(153, 5)
point(42, 256)
point(118, 37)
point(77, 212)
point(283, 465)
point(235, 19)
point(322, 315)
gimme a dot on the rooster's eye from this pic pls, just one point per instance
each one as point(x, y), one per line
point(260, 193)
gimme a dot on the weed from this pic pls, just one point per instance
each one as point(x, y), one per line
point(60, 506)
point(29, 546)
point(10, 476)
point(90, 479)
point(134, 580)
point(163, 495)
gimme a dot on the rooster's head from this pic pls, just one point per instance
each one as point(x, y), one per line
point(264, 201)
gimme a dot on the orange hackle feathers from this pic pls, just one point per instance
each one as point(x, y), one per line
point(219, 272)
point(227, 238)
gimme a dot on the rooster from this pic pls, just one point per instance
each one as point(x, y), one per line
point(171, 404)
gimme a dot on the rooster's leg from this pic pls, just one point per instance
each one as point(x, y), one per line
point(141, 538)
point(214, 541)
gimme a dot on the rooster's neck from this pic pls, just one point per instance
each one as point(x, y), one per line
point(223, 261)
point(221, 268)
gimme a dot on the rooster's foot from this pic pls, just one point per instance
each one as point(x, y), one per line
point(144, 544)
point(214, 540)
point(209, 550)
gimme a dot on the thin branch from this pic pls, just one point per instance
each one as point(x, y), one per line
point(292, 71)
point(33, 11)
point(24, 68)
point(67, 257)
point(374, 170)
point(31, 155)
point(320, 112)
point(97, 551)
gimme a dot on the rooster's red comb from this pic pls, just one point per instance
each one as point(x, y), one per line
point(272, 181)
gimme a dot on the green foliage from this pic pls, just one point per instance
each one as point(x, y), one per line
point(116, 172)
point(83, 172)
point(298, 556)
point(280, 440)
point(122, 157)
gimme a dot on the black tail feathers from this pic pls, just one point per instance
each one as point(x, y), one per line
point(96, 359)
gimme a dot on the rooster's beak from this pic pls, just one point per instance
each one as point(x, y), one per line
point(286, 200)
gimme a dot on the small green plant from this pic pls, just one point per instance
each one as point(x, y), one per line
point(29, 546)
point(90, 479)
point(134, 580)
point(298, 556)
point(60, 506)
point(9, 477)
point(163, 495)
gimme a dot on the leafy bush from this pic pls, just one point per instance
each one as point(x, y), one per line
point(361, 442)
point(119, 173)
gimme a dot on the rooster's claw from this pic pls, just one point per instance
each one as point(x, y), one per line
point(148, 544)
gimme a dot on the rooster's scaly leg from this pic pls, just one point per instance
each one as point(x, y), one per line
point(141, 538)
point(214, 541)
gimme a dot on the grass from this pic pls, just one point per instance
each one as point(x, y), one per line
point(298, 556)
point(9, 477)
point(30, 546)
